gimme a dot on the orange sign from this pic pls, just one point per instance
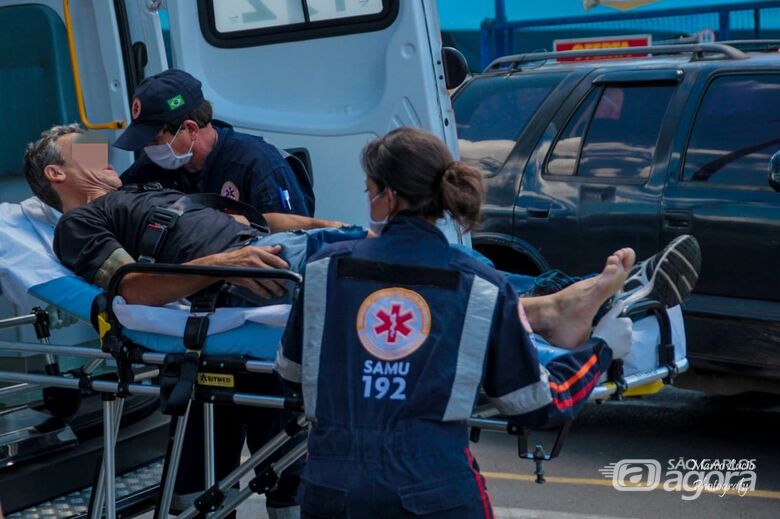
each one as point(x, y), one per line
point(610, 42)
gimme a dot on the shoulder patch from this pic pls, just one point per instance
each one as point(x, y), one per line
point(393, 323)
point(136, 111)
point(229, 190)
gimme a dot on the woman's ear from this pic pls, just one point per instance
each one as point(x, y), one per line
point(395, 203)
point(54, 174)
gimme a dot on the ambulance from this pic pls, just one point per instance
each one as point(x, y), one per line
point(318, 78)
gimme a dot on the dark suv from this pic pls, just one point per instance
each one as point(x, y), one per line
point(583, 157)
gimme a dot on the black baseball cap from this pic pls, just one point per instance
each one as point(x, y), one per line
point(159, 99)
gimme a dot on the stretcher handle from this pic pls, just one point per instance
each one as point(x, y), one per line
point(198, 270)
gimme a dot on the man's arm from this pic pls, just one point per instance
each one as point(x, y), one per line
point(159, 289)
point(280, 222)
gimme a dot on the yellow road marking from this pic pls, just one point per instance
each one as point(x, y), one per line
point(768, 494)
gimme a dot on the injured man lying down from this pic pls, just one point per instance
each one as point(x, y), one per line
point(105, 225)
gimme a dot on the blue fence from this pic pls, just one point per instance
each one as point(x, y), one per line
point(501, 37)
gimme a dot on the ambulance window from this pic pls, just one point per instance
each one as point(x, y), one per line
point(246, 23)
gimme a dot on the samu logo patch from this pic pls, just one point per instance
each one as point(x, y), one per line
point(393, 323)
point(229, 190)
point(175, 102)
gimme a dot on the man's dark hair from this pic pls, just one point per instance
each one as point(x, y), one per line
point(201, 114)
point(44, 152)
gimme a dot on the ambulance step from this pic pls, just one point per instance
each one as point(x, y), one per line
point(137, 482)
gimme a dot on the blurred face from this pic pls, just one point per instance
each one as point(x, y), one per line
point(86, 163)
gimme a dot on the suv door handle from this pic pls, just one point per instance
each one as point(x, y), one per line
point(677, 219)
point(538, 212)
point(597, 193)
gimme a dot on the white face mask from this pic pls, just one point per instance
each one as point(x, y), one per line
point(376, 226)
point(164, 156)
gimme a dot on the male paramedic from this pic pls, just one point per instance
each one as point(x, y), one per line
point(185, 149)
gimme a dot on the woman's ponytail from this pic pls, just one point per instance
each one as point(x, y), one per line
point(461, 193)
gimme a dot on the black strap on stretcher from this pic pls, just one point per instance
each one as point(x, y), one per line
point(180, 371)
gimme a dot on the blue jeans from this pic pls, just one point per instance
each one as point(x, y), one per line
point(544, 284)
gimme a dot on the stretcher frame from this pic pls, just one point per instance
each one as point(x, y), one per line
point(214, 500)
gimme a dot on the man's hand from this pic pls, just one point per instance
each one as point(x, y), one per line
point(255, 257)
point(280, 222)
point(332, 223)
point(241, 219)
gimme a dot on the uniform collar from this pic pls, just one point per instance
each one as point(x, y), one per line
point(223, 130)
point(404, 223)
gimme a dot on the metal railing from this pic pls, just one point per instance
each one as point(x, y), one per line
point(496, 35)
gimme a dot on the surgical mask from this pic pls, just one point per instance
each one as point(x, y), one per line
point(376, 226)
point(164, 156)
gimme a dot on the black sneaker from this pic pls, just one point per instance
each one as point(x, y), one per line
point(668, 276)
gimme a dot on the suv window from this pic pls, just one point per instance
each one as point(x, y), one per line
point(492, 111)
point(613, 133)
point(736, 131)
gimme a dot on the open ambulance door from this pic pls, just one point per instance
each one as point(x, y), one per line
point(40, 88)
point(319, 77)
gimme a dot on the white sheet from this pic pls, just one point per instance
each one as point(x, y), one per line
point(26, 255)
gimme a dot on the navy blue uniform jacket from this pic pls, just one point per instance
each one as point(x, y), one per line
point(242, 167)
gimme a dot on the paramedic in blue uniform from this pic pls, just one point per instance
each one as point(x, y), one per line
point(392, 337)
point(183, 148)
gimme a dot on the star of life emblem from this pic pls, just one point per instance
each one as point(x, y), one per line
point(393, 323)
point(229, 190)
point(136, 110)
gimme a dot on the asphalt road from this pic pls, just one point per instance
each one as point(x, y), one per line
point(673, 424)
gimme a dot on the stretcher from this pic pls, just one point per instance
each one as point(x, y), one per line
point(201, 342)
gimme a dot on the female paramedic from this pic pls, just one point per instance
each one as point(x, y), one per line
point(391, 338)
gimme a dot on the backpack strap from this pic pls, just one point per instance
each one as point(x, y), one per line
point(164, 218)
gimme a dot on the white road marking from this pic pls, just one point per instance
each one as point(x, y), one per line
point(522, 513)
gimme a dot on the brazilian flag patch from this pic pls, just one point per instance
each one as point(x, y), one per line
point(175, 102)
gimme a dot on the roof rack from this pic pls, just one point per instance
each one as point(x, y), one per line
point(767, 45)
point(697, 50)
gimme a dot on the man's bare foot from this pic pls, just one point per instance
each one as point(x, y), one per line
point(565, 318)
